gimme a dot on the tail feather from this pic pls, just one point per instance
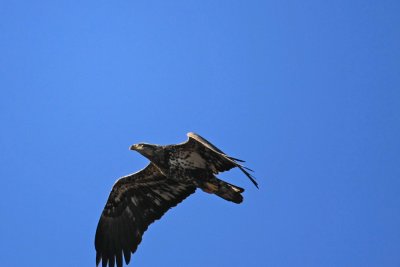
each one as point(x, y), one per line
point(224, 190)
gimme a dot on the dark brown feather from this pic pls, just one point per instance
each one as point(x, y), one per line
point(134, 203)
point(217, 160)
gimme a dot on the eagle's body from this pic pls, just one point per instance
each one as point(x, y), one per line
point(136, 200)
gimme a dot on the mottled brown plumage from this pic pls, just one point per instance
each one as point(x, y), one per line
point(137, 200)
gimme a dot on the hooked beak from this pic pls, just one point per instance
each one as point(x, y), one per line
point(135, 147)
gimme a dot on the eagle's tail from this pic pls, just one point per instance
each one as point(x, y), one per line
point(223, 189)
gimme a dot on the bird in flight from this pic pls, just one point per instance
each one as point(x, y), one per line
point(138, 199)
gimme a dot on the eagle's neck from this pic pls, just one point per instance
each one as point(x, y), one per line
point(159, 158)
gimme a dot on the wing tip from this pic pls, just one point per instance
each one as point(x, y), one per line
point(251, 177)
point(98, 258)
point(236, 159)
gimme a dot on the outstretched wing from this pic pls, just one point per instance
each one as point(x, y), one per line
point(134, 203)
point(216, 159)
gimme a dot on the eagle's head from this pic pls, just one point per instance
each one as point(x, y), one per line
point(147, 150)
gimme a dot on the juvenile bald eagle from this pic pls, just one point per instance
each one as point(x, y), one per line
point(174, 172)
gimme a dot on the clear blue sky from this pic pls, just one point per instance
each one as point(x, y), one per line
point(308, 92)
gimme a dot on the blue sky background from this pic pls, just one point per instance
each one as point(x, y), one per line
point(308, 92)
